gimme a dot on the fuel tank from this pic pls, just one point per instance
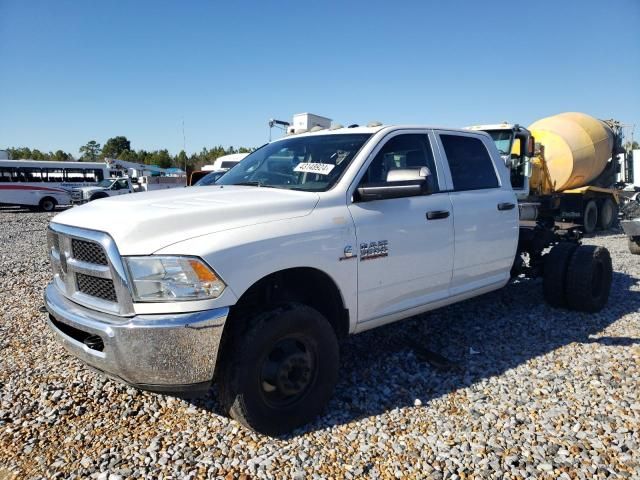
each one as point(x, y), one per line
point(577, 148)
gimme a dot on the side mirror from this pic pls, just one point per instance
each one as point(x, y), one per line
point(531, 146)
point(402, 182)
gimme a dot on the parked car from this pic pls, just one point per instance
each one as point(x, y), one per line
point(109, 187)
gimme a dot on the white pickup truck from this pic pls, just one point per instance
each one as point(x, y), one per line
point(109, 187)
point(253, 281)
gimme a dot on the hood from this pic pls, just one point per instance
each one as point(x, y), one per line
point(143, 223)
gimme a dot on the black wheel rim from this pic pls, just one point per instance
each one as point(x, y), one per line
point(47, 205)
point(287, 371)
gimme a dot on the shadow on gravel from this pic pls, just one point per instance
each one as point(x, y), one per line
point(431, 355)
point(28, 211)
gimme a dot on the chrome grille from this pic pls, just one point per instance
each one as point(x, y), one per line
point(96, 287)
point(89, 252)
point(53, 241)
point(88, 269)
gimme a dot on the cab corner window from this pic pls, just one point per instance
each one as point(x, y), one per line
point(469, 161)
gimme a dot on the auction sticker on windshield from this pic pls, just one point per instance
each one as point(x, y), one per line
point(319, 168)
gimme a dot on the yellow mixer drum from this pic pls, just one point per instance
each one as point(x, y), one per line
point(577, 148)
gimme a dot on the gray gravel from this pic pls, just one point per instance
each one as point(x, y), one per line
point(518, 390)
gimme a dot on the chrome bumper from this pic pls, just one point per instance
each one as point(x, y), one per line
point(170, 353)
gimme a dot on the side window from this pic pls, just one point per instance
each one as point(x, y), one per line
point(6, 174)
point(32, 174)
point(412, 150)
point(122, 184)
point(53, 175)
point(470, 163)
point(74, 175)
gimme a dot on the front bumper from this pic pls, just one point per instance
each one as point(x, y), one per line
point(631, 227)
point(168, 353)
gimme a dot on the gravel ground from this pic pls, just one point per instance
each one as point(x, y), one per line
point(522, 391)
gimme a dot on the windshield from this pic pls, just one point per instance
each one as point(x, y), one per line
point(209, 179)
point(105, 183)
point(311, 163)
point(502, 139)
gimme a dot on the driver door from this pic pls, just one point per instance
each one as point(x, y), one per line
point(405, 244)
point(121, 187)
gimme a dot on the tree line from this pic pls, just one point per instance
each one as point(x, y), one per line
point(120, 148)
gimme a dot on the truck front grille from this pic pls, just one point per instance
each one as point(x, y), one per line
point(88, 269)
point(89, 252)
point(96, 287)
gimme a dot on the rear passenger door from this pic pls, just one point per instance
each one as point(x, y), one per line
point(485, 212)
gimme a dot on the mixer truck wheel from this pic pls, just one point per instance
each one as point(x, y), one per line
point(555, 273)
point(589, 278)
point(590, 217)
point(607, 214)
point(634, 245)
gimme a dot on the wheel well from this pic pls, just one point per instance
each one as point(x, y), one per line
point(98, 195)
point(48, 198)
point(305, 285)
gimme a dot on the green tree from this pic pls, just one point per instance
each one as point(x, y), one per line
point(90, 151)
point(629, 146)
point(60, 156)
point(182, 160)
point(115, 147)
point(161, 158)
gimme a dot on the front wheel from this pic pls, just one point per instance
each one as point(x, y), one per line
point(281, 372)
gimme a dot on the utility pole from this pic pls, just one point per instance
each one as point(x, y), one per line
point(184, 147)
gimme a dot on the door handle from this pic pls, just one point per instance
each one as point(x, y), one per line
point(437, 214)
point(506, 206)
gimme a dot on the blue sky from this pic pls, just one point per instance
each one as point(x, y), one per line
point(75, 71)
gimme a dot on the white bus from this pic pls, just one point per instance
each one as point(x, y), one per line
point(42, 184)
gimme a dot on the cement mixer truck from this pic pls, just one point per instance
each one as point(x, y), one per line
point(563, 167)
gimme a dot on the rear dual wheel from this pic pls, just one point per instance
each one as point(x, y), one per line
point(577, 277)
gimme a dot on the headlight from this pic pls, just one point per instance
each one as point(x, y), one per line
point(163, 278)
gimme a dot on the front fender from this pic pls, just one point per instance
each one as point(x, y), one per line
point(242, 256)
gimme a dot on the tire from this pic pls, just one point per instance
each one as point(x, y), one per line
point(607, 214)
point(280, 373)
point(634, 246)
point(48, 204)
point(590, 217)
point(589, 279)
point(556, 263)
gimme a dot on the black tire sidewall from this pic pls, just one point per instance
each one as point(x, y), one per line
point(580, 278)
point(590, 218)
point(555, 273)
point(607, 204)
point(244, 391)
point(47, 201)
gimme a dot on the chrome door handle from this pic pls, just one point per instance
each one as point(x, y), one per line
point(437, 214)
point(506, 206)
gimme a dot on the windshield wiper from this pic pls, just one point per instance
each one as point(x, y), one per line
point(254, 183)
